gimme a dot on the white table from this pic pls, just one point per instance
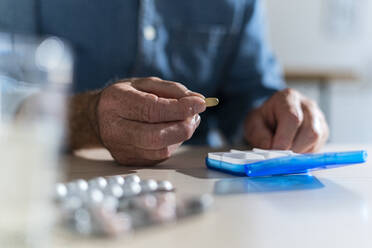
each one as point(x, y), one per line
point(331, 209)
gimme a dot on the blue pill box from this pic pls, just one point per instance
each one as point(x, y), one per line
point(259, 162)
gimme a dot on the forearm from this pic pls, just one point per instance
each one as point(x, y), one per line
point(82, 127)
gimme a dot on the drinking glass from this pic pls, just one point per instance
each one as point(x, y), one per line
point(35, 76)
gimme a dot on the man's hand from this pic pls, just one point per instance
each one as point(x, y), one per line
point(288, 120)
point(144, 120)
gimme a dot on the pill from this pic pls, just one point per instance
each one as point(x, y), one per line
point(195, 205)
point(77, 187)
point(165, 186)
point(71, 203)
point(166, 207)
point(93, 197)
point(132, 178)
point(131, 189)
point(115, 180)
point(147, 202)
point(148, 186)
point(83, 221)
point(98, 182)
point(81, 184)
point(114, 190)
point(60, 191)
point(211, 101)
point(200, 203)
point(110, 203)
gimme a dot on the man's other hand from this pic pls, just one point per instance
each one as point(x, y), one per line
point(287, 120)
point(142, 121)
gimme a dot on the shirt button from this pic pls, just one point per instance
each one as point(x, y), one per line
point(149, 33)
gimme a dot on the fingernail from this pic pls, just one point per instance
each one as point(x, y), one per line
point(195, 120)
point(199, 107)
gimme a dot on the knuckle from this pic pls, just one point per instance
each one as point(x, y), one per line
point(289, 92)
point(287, 95)
point(112, 95)
point(153, 79)
point(311, 104)
point(116, 90)
point(179, 85)
point(294, 118)
point(282, 94)
point(164, 153)
point(313, 134)
point(187, 131)
point(149, 111)
point(155, 139)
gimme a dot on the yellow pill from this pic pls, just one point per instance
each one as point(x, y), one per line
point(211, 101)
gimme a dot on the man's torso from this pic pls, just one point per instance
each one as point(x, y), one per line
point(185, 41)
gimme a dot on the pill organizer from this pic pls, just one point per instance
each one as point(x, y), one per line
point(259, 162)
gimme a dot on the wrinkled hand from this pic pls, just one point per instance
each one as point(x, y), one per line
point(288, 120)
point(144, 120)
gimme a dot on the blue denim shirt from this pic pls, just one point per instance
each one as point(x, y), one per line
point(215, 47)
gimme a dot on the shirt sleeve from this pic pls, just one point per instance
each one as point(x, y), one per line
point(254, 74)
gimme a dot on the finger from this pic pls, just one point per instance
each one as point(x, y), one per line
point(323, 139)
point(289, 117)
point(163, 88)
point(153, 136)
point(133, 104)
point(311, 149)
point(316, 147)
point(313, 132)
point(173, 148)
point(257, 133)
point(309, 133)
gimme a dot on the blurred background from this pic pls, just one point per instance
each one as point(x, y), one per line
point(325, 48)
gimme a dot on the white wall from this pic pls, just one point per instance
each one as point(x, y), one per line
point(302, 37)
point(301, 34)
